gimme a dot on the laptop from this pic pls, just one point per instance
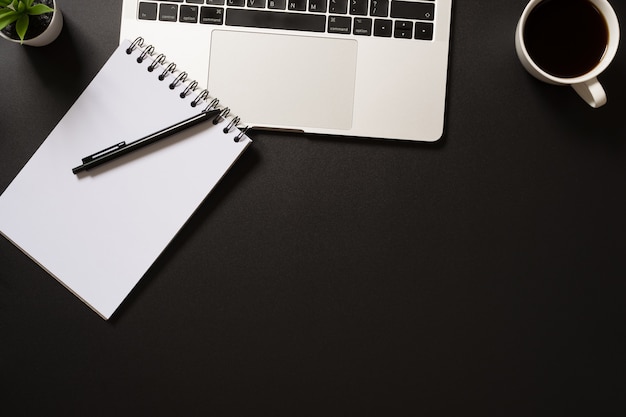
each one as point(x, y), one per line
point(360, 68)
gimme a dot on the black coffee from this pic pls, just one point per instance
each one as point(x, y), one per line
point(566, 38)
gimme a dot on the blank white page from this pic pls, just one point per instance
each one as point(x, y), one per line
point(98, 233)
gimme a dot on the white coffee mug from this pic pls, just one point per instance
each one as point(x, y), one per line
point(586, 85)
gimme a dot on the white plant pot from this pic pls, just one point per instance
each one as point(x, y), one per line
point(47, 36)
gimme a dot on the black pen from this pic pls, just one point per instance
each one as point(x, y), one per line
point(123, 148)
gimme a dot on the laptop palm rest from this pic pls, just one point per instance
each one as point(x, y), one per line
point(284, 81)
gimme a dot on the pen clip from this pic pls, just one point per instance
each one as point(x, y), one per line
point(103, 152)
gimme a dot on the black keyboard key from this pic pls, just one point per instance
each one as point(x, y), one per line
point(212, 15)
point(403, 29)
point(402, 34)
point(339, 24)
point(383, 27)
point(358, 7)
point(379, 8)
point(237, 3)
point(362, 26)
point(277, 4)
point(276, 20)
point(338, 6)
point(188, 14)
point(256, 4)
point(147, 11)
point(412, 10)
point(318, 6)
point(297, 5)
point(195, 1)
point(168, 12)
point(216, 2)
point(404, 25)
point(424, 31)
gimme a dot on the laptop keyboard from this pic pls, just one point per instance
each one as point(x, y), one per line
point(381, 18)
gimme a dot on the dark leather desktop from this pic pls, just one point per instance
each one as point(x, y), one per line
point(482, 275)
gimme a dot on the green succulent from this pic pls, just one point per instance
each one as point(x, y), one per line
point(18, 11)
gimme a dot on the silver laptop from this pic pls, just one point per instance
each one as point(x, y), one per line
point(365, 68)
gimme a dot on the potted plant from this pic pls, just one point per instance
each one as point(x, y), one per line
point(30, 22)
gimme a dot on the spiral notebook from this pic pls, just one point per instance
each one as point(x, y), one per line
point(99, 232)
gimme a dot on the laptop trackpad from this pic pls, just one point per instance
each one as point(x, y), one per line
point(284, 80)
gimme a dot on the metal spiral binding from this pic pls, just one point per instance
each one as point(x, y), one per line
point(169, 70)
point(204, 94)
point(223, 115)
point(192, 85)
point(212, 105)
point(242, 131)
point(138, 42)
point(233, 122)
point(148, 51)
point(160, 60)
point(180, 78)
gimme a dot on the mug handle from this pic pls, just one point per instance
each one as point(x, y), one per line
point(592, 92)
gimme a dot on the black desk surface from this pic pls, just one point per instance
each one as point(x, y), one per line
point(484, 275)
